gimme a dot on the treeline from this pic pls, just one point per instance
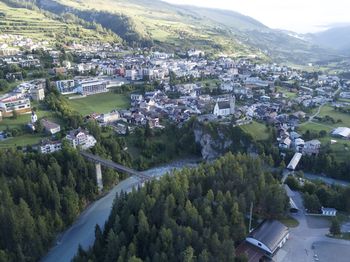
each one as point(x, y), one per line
point(318, 194)
point(325, 162)
point(194, 215)
point(161, 146)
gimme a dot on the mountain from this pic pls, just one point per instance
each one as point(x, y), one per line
point(337, 38)
point(146, 23)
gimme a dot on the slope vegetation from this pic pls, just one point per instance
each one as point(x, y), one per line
point(145, 23)
point(43, 26)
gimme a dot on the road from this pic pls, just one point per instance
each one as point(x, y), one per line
point(83, 230)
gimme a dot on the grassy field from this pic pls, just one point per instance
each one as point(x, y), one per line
point(24, 140)
point(36, 25)
point(101, 103)
point(22, 120)
point(340, 149)
point(289, 95)
point(257, 130)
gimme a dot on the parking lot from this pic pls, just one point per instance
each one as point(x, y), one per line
point(308, 242)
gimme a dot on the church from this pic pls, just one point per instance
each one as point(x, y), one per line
point(224, 106)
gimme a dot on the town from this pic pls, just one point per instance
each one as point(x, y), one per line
point(239, 92)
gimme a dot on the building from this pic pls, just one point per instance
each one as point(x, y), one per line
point(225, 108)
point(285, 143)
point(269, 236)
point(91, 86)
point(109, 118)
point(343, 132)
point(312, 147)
point(37, 94)
point(48, 146)
point(80, 138)
point(295, 161)
point(19, 104)
point(66, 86)
point(50, 127)
point(332, 212)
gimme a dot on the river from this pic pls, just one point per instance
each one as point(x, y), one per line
point(327, 180)
point(83, 230)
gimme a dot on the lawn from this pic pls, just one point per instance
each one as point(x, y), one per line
point(101, 103)
point(257, 130)
point(329, 111)
point(24, 140)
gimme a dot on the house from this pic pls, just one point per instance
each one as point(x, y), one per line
point(109, 118)
point(312, 147)
point(50, 127)
point(37, 94)
point(332, 212)
point(81, 138)
point(225, 108)
point(136, 97)
point(285, 143)
point(48, 146)
point(299, 144)
point(269, 236)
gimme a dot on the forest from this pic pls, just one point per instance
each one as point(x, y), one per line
point(40, 196)
point(193, 215)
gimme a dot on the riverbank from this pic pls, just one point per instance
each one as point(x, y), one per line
point(82, 232)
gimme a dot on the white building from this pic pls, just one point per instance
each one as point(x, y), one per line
point(343, 132)
point(47, 147)
point(269, 236)
point(332, 212)
point(295, 161)
point(225, 108)
point(81, 138)
point(91, 86)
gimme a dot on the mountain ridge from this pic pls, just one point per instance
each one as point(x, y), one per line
point(145, 23)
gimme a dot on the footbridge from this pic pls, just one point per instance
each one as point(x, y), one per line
point(110, 164)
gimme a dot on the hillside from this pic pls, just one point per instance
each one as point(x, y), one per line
point(337, 38)
point(145, 23)
point(43, 26)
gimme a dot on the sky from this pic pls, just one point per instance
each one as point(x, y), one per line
point(302, 16)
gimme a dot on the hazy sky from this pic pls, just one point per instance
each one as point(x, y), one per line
point(297, 15)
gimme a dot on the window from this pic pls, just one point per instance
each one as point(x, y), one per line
point(259, 244)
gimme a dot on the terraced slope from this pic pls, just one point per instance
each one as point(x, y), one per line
point(40, 26)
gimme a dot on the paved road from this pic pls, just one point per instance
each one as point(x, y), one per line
point(83, 230)
point(319, 109)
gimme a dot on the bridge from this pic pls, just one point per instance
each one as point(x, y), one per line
point(110, 164)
